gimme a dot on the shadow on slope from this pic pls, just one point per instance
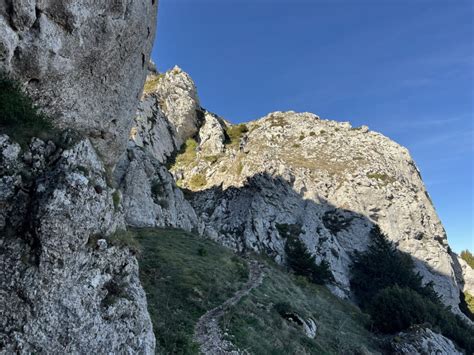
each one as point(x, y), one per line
point(249, 218)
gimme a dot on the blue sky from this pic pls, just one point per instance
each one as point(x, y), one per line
point(402, 67)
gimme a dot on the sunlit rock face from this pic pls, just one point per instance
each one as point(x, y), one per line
point(329, 179)
point(83, 62)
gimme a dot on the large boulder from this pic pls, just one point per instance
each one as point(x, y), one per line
point(84, 62)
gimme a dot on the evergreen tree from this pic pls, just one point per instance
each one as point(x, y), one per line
point(381, 266)
point(300, 260)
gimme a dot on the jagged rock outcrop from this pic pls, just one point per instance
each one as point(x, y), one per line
point(63, 287)
point(423, 341)
point(174, 93)
point(84, 62)
point(333, 181)
point(150, 195)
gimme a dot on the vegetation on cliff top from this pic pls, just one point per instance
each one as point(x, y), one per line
point(467, 256)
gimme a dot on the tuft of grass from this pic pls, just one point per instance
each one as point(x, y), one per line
point(197, 181)
point(20, 119)
point(187, 154)
point(211, 158)
point(467, 304)
point(116, 200)
point(234, 133)
point(151, 82)
point(125, 239)
point(184, 276)
point(382, 177)
point(277, 121)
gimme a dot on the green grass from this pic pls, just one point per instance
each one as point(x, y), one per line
point(197, 181)
point(255, 324)
point(382, 177)
point(187, 154)
point(235, 133)
point(20, 118)
point(151, 83)
point(184, 276)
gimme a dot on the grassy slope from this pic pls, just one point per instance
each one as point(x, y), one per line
point(340, 325)
point(184, 276)
point(181, 285)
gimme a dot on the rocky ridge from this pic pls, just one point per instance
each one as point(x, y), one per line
point(330, 180)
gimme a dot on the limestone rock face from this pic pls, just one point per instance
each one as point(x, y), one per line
point(150, 195)
point(333, 181)
point(176, 95)
point(423, 341)
point(211, 135)
point(63, 287)
point(152, 131)
point(84, 62)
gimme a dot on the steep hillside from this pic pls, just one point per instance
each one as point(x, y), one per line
point(185, 275)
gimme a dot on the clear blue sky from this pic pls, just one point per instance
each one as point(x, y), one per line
point(402, 67)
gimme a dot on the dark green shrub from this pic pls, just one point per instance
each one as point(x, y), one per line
point(116, 200)
point(283, 308)
point(19, 118)
point(394, 309)
point(386, 286)
point(381, 266)
point(202, 251)
point(303, 263)
point(157, 188)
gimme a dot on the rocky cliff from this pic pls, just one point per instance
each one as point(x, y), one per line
point(328, 180)
point(69, 279)
point(74, 58)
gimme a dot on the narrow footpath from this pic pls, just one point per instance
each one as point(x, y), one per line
point(207, 332)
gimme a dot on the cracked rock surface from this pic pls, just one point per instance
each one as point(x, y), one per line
point(74, 58)
point(63, 288)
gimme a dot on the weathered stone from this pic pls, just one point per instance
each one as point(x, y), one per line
point(211, 135)
point(151, 198)
point(61, 292)
point(74, 58)
point(177, 98)
point(423, 341)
